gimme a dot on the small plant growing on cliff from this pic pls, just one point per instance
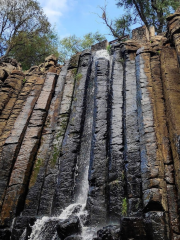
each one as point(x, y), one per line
point(108, 48)
point(124, 207)
point(24, 80)
point(121, 60)
point(74, 72)
point(78, 77)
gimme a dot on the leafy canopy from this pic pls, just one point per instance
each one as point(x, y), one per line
point(20, 22)
point(150, 12)
point(73, 44)
point(35, 50)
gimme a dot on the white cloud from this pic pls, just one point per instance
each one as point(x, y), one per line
point(55, 9)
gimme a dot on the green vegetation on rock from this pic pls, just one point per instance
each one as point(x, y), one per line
point(78, 76)
point(124, 207)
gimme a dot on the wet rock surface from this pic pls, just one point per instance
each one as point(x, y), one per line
point(67, 228)
point(99, 134)
point(108, 233)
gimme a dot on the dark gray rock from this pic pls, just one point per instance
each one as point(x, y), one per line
point(133, 228)
point(22, 224)
point(156, 226)
point(5, 234)
point(108, 233)
point(74, 237)
point(68, 227)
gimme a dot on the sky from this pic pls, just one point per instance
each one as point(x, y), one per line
point(79, 17)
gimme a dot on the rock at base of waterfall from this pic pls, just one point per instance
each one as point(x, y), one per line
point(108, 233)
point(5, 234)
point(68, 227)
point(74, 237)
point(133, 228)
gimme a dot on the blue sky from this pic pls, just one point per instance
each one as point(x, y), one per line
point(78, 16)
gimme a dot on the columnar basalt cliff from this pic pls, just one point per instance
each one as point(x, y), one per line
point(91, 149)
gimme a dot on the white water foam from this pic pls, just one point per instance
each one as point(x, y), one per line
point(101, 54)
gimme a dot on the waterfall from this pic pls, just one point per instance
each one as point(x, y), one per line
point(46, 225)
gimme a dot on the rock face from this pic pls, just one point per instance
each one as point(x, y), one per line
point(101, 133)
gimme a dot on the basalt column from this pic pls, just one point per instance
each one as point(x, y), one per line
point(131, 140)
point(163, 144)
point(97, 202)
point(170, 77)
point(49, 136)
point(116, 176)
point(52, 169)
point(152, 166)
point(64, 194)
point(17, 186)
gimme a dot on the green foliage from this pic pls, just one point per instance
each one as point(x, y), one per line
point(78, 77)
point(121, 60)
point(152, 12)
point(24, 80)
point(124, 207)
point(38, 164)
point(74, 72)
point(55, 156)
point(20, 20)
point(35, 50)
point(122, 25)
point(72, 44)
point(108, 48)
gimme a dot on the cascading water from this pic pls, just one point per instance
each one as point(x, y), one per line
point(44, 227)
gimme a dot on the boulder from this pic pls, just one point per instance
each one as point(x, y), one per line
point(50, 61)
point(74, 237)
point(68, 227)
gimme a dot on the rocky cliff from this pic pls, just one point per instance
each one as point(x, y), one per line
point(94, 145)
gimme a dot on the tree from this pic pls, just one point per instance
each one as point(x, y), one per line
point(150, 12)
point(119, 27)
point(73, 44)
point(34, 51)
point(20, 20)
